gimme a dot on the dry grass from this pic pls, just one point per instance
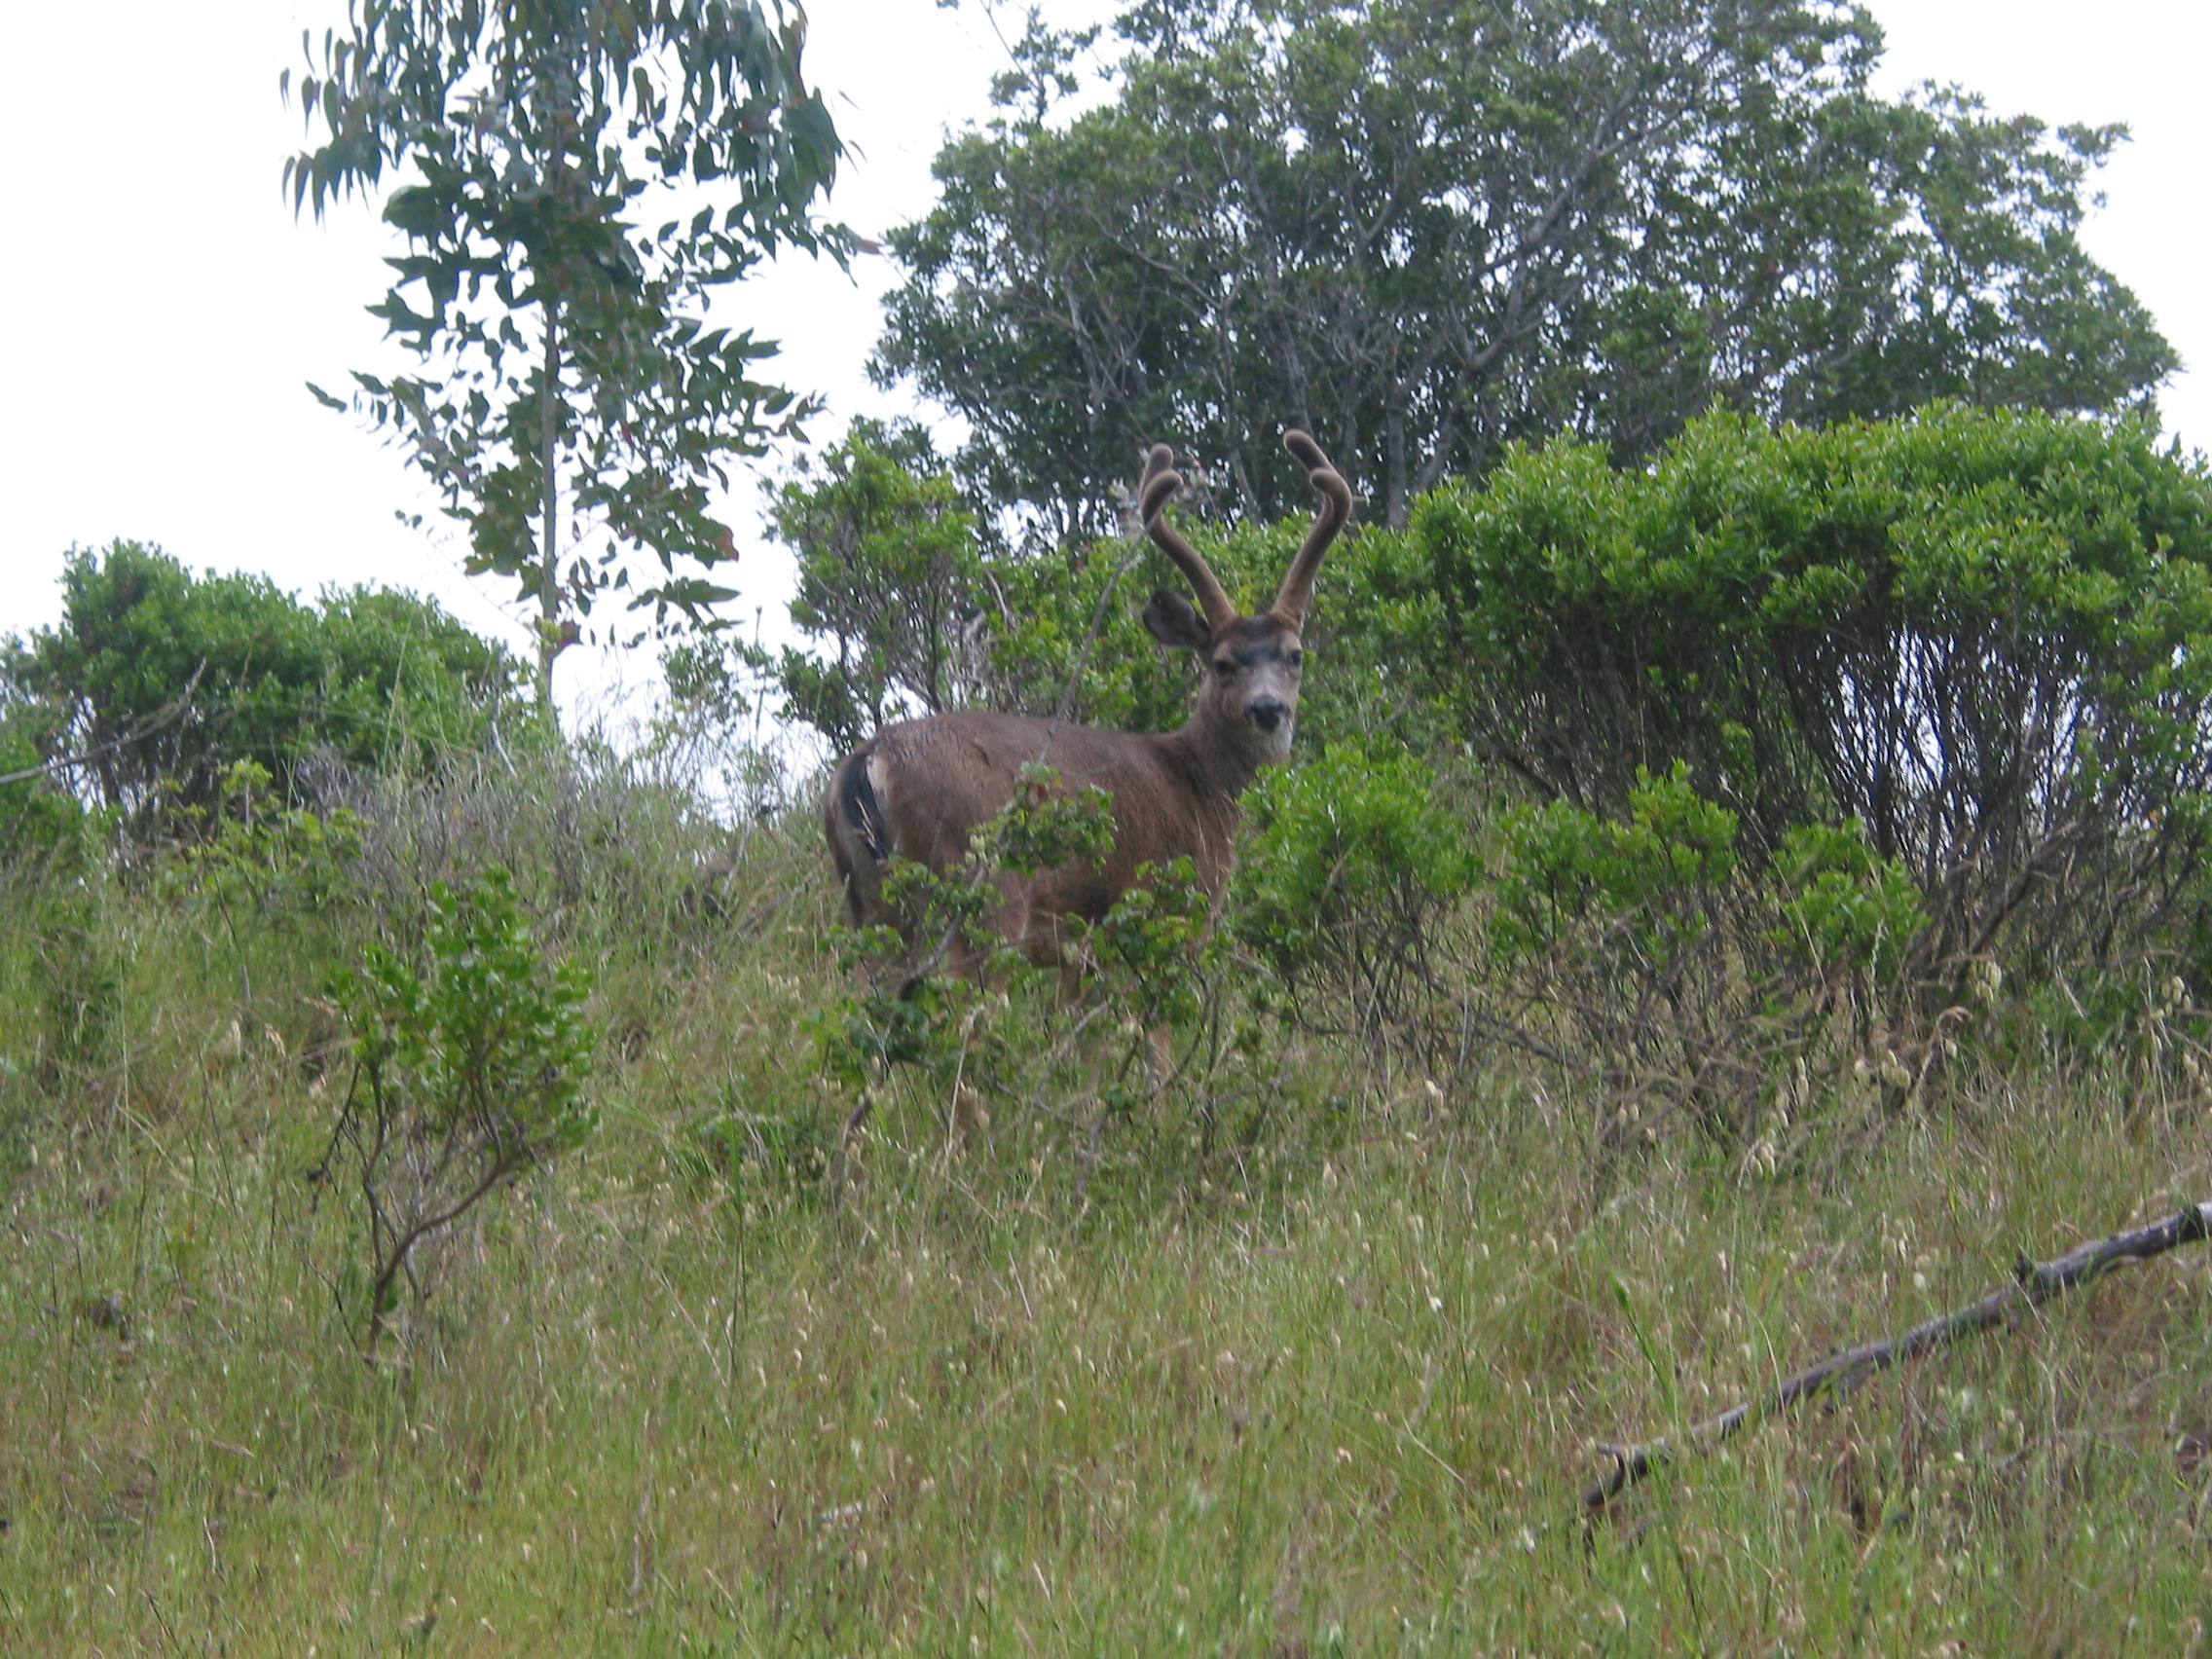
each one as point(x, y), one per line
point(1335, 1393)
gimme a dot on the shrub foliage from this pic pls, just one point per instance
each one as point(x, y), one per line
point(1986, 637)
point(377, 676)
point(470, 1063)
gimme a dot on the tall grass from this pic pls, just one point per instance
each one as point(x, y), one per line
point(1328, 1380)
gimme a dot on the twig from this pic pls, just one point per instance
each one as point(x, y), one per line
point(2033, 1286)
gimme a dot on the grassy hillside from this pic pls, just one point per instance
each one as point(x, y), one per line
point(1301, 1357)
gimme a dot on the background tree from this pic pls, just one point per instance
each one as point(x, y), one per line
point(889, 580)
point(1424, 229)
point(562, 339)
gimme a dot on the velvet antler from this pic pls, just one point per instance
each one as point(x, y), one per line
point(1161, 483)
point(1297, 591)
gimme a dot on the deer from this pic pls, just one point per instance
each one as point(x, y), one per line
point(919, 789)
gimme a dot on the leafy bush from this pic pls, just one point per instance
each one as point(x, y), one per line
point(471, 1057)
point(1350, 868)
point(57, 984)
point(1652, 871)
point(1842, 906)
point(381, 679)
point(1151, 946)
point(1986, 637)
point(263, 866)
point(41, 826)
point(1642, 949)
point(888, 576)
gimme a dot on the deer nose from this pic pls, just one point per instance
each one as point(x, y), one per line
point(1267, 713)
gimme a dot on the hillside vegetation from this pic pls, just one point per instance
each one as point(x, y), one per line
point(1723, 913)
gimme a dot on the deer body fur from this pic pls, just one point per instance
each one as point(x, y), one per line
point(918, 790)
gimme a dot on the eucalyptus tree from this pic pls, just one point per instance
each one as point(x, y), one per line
point(1424, 229)
point(570, 371)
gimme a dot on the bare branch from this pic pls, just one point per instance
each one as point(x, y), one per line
point(160, 720)
point(2034, 1284)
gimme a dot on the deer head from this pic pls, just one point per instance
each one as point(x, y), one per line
point(1252, 664)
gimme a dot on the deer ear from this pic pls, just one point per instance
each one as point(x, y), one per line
point(1171, 620)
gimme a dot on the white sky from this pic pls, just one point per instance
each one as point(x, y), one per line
point(164, 307)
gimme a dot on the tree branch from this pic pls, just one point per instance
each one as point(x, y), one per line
point(160, 720)
point(2033, 1286)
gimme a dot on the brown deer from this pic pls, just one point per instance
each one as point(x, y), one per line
point(919, 789)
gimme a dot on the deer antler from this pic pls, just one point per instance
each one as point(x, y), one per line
point(1297, 591)
point(1161, 483)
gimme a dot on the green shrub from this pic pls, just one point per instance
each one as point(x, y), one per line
point(1642, 950)
point(1651, 876)
point(471, 1057)
point(1985, 636)
point(263, 872)
point(43, 829)
point(57, 986)
point(1350, 865)
point(888, 578)
point(380, 679)
point(1842, 906)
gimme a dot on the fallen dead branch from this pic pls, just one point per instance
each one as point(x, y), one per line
point(2033, 1286)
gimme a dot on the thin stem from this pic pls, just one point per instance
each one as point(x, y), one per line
point(548, 575)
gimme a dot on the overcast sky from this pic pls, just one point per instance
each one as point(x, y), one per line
point(164, 308)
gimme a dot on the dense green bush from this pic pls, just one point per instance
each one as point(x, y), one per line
point(380, 679)
point(56, 985)
point(41, 826)
point(888, 574)
point(1350, 868)
point(267, 885)
point(1642, 950)
point(1985, 636)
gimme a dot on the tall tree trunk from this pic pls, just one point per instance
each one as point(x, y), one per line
point(1394, 494)
point(549, 639)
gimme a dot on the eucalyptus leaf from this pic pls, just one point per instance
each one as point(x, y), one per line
point(528, 145)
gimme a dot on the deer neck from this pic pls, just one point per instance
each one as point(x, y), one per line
point(1218, 762)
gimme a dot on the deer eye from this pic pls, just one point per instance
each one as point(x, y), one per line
point(1225, 668)
point(1297, 659)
